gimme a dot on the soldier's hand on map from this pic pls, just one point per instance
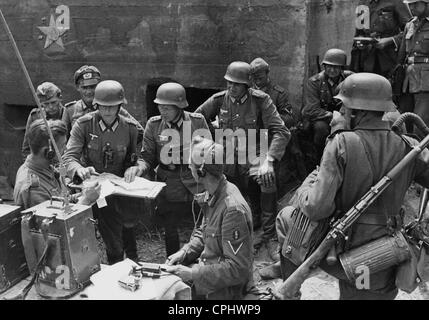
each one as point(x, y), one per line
point(175, 258)
point(131, 173)
point(266, 173)
point(90, 193)
point(85, 173)
point(338, 122)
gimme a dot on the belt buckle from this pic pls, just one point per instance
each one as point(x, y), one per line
point(171, 166)
point(426, 60)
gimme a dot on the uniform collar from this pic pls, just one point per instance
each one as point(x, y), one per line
point(84, 106)
point(104, 127)
point(241, 100)
point(372, 124)
point(45, 171)
point(178, 123)
point(212, 200)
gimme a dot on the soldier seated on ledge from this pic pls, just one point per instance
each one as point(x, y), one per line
point(37, 180)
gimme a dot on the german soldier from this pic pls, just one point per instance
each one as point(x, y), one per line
point(86, 79)
point(414, 53)
point(223, 242)
point(360, 151)
point(105, 141)
point(383, 21)
point(319, 99)
point(37, 180)
point(50, 98)
point(243, 108)
point(166, 142)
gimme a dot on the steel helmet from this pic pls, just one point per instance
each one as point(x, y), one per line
point(171, 93)
point(366, 91)
point(88, 75)
point(109, 93)
point(238, 72)
point(48, 91)
point(335, 57)
point(259, 64)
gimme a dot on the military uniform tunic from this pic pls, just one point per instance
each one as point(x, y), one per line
point(379, 19)
point(254, 110)
point(90, 140)
point(353, 162)
point(319, 99)
point(180, 184)
point(223, 246)
point(33, 116)
point(76, 109)
point(35, 184)
point(414, 53)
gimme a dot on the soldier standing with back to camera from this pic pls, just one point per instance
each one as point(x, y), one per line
point(319, 98)
point(359, 152)
point(104, 141)
point(384, 21)
point(160, 147)
point(414, 53)
point(50, 99)
point(242, 107)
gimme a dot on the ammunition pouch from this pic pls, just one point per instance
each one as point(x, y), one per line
point(377, 255)
point(299, 235)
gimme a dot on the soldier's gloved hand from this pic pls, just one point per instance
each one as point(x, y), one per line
point(338, 122)
point(176, 258)
point(85, 173)
point(90, 193)
point(383, 42)
point(131, 173)
point(266, 173)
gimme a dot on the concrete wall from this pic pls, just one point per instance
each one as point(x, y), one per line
point(136, 41)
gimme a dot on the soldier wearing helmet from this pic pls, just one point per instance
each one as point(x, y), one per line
point(105, 141)
point(244, 109)
point(360, 150)
point(165, 149)
point(51, 101)
point(414, 54)
point(319, 97)
point(86, 79)
point(225, 263)
point(379, 25)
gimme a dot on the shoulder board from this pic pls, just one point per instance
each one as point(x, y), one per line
point(34, 180)
point(196, 115)
point(278, 88)
point(219, 94)
point(130, 121)
point(316, 77)
point(71, 103)
point(258, 93)
point(154, 118)
point(85, 118)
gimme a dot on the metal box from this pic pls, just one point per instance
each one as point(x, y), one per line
point(13, 267)
point(71, 257)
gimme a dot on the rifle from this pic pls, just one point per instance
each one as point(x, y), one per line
point(290, 288)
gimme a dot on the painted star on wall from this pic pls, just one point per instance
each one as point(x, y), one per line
point(53, 33)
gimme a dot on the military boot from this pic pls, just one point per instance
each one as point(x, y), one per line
point(272, 271)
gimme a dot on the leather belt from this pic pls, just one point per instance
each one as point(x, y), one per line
point(380, 219)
